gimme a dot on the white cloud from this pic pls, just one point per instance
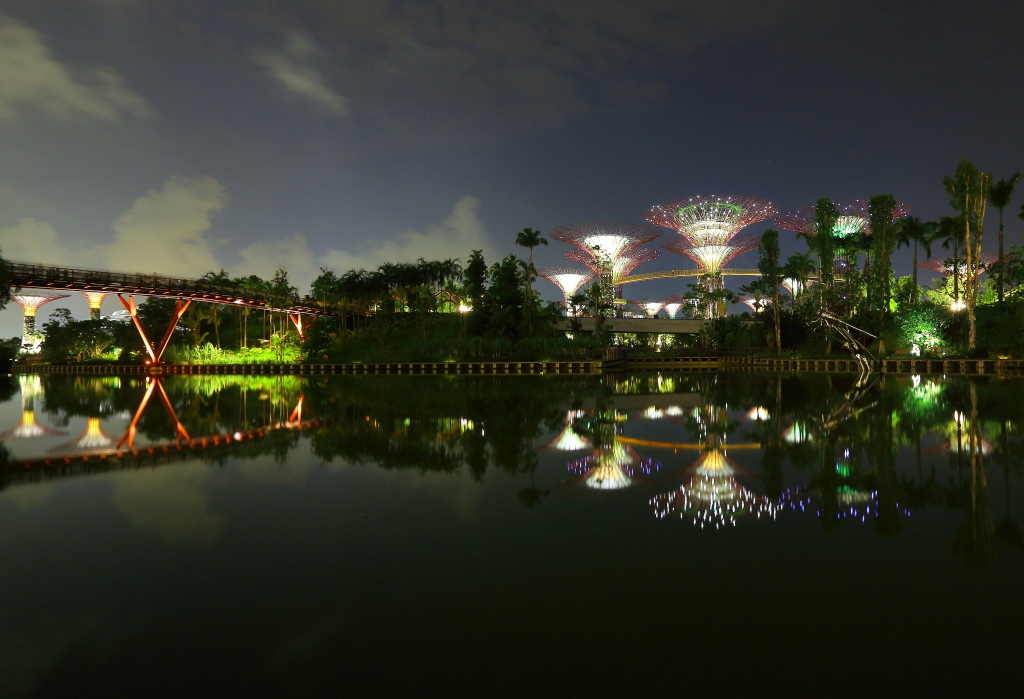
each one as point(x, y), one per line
point(265, 257)
point(32, 78)
point(165, 229)
point(294, 69)
point(460, 232)
point(30, 240)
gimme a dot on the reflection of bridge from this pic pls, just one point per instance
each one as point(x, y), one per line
point(184, 291)
point(127, 456)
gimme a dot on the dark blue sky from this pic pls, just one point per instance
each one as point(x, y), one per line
point(180, 136)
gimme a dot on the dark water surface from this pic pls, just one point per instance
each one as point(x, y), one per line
point(637, 534)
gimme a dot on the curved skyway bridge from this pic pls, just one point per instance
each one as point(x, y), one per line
point(184, 291)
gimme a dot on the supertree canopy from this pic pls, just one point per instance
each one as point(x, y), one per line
point(568, 279)
point(620, 266)
point(957, 265)
point(712, 257)
point(854, 217)
point(605, 241)
point(710, 220)
point(30, 300)
point(605, 245)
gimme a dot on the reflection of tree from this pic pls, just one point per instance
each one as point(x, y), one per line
point(612, 465)
point(975, 536)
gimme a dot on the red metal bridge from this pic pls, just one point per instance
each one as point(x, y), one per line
point(185, 291)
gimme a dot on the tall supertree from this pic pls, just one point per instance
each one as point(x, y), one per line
point(605, 243)
point(709, 228)
point(568, 279)
point(30, 300)
point(854, 217)
point(95, 299)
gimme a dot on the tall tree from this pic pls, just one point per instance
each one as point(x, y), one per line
point(912, 231)
point(475, 278)
point(968, 193)
point(823, 242)
point(999, 194)
point(529, 239)
point(771, 274)
point(883, 242)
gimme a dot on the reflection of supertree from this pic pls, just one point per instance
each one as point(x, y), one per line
point(604, 245)
point(846, 503)
point(713, 496)
point(28, 428)
point(612, 468)
point(568, 280)
point(92, 438)
point(30, 300)
point(569, 439)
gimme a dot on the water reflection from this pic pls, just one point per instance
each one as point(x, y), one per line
point(708, 449)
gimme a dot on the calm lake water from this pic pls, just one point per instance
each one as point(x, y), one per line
point(630, 534)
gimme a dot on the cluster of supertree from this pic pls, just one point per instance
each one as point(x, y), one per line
point(709, 234)
point(609, 250)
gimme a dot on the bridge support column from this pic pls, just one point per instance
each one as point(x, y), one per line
point(297, 322)
point(155, 353)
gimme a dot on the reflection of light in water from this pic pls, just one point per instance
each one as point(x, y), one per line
point(758, 413)
point(28, 428)
point(853, 504)
point(797, 434)
point(569, 440)
point(612, 468)
point(713, 496)
point(92, 438)
point(964, 446)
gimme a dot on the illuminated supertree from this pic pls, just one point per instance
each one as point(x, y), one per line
point(796, 286)
point(30, 300)
point(95, 299)
point(621, 265)
point(756, 302)
point(568, 279)
point(710, 220)
point(606, 244)
point(672, 308)
point(854, 217)
point(651, 308)
point(711, 258)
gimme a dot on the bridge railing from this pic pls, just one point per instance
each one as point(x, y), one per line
point(48, 277)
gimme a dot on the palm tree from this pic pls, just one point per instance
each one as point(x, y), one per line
point(529, 239)
point(914, 231)
point(999, 194)
point(799, 266)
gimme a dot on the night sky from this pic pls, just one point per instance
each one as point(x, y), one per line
point(184, 136)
